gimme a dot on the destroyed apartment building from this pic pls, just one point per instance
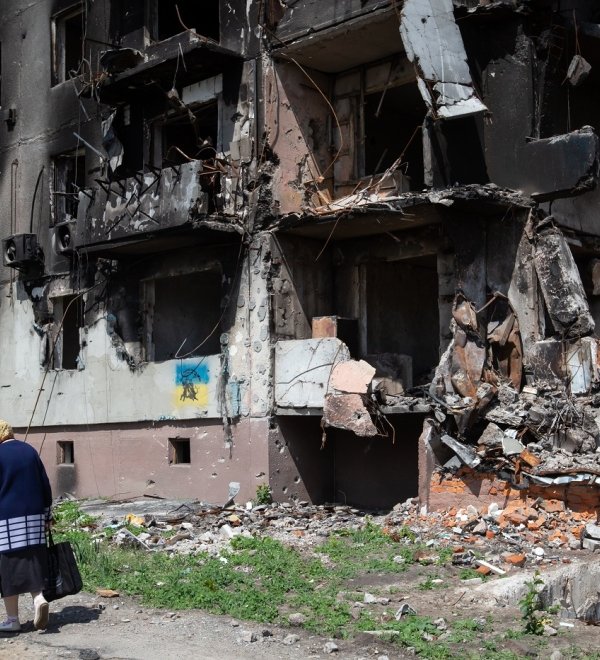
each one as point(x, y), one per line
point(347, 249)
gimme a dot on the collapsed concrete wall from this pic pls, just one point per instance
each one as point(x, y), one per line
point(526, 416)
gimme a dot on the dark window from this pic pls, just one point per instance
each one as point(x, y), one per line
point(67, 46)
point(190, 136)
point(126, 16)
point(174, 16)
point(68, 179)
point(182, 315)
point(392, 121)
point(65, 452)
point(179, 451)
point(68, 310)
point(404, 295)
point(128, 127)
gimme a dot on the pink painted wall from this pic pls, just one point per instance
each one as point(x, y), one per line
point(132, 460)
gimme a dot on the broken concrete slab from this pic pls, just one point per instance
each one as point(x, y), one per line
point(579, 69)
point(492, 436)
point(592, 531)
point(561, 166)
point(582, 364)
point(303, 368)
point(466, 454)
point(393, 373)
point(348, 412)
point(545, 360)
point(561, 285)
point(511, 445)
point(433, 42)
point(352, 376)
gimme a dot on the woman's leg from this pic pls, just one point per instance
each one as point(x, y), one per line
point(41, 610)
point(11, 603)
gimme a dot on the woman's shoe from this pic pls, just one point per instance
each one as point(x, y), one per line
point(41, 610)
point(10, 625)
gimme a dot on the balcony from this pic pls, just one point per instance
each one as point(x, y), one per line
point(136, 209)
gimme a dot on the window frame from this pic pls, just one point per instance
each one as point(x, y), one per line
point(60, 304)
point(65, 449)
point(175, 449)
point(59, 71)
point(60, 196)
point(369, 79)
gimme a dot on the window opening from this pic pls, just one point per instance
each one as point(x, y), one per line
point(69, 309)
point(128, 127)
point(179, 451)
point(404, 295)
point(68, 37)
point(201, 17)
point(181, 314)
point(389, 125)
point(65, 452)
point(190, 136)
point(68, 179)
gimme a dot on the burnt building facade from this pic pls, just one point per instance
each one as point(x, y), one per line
point(347, 249)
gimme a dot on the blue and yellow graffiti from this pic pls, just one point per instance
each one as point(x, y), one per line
point(191, 384)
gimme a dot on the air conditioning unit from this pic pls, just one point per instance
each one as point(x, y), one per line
point(22, 251)
point(63, 237)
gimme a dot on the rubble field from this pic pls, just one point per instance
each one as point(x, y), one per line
point(404, 582)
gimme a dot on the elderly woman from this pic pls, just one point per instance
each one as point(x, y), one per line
point(25, 499)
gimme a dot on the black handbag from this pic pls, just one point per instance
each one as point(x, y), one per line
point(63, 578)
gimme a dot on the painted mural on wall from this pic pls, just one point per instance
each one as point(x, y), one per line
point(192, 379)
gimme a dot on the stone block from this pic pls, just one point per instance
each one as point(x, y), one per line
point(351, 377)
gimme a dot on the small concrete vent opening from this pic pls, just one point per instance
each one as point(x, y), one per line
point(65, 452)
point(179, 451)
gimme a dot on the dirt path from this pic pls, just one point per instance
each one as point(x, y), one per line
point(80, 629)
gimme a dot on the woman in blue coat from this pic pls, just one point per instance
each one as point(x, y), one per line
point(25, 500)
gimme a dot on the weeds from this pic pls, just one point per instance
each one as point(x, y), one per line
point(263, 494)
point(469, 574)
point(530, 606)
point(444, 556)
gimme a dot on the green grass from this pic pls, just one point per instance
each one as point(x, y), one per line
point(67, 516)
point(470, 573)
point(260, 579)
point(367, 550)
point(444, 557)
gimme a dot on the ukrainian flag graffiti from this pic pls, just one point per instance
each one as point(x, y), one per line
point(191, 384)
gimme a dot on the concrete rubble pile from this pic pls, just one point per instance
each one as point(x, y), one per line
point(541, 533)
point(519, 411)
point(494, 541)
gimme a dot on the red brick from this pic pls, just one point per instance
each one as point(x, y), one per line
point(516, 560)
